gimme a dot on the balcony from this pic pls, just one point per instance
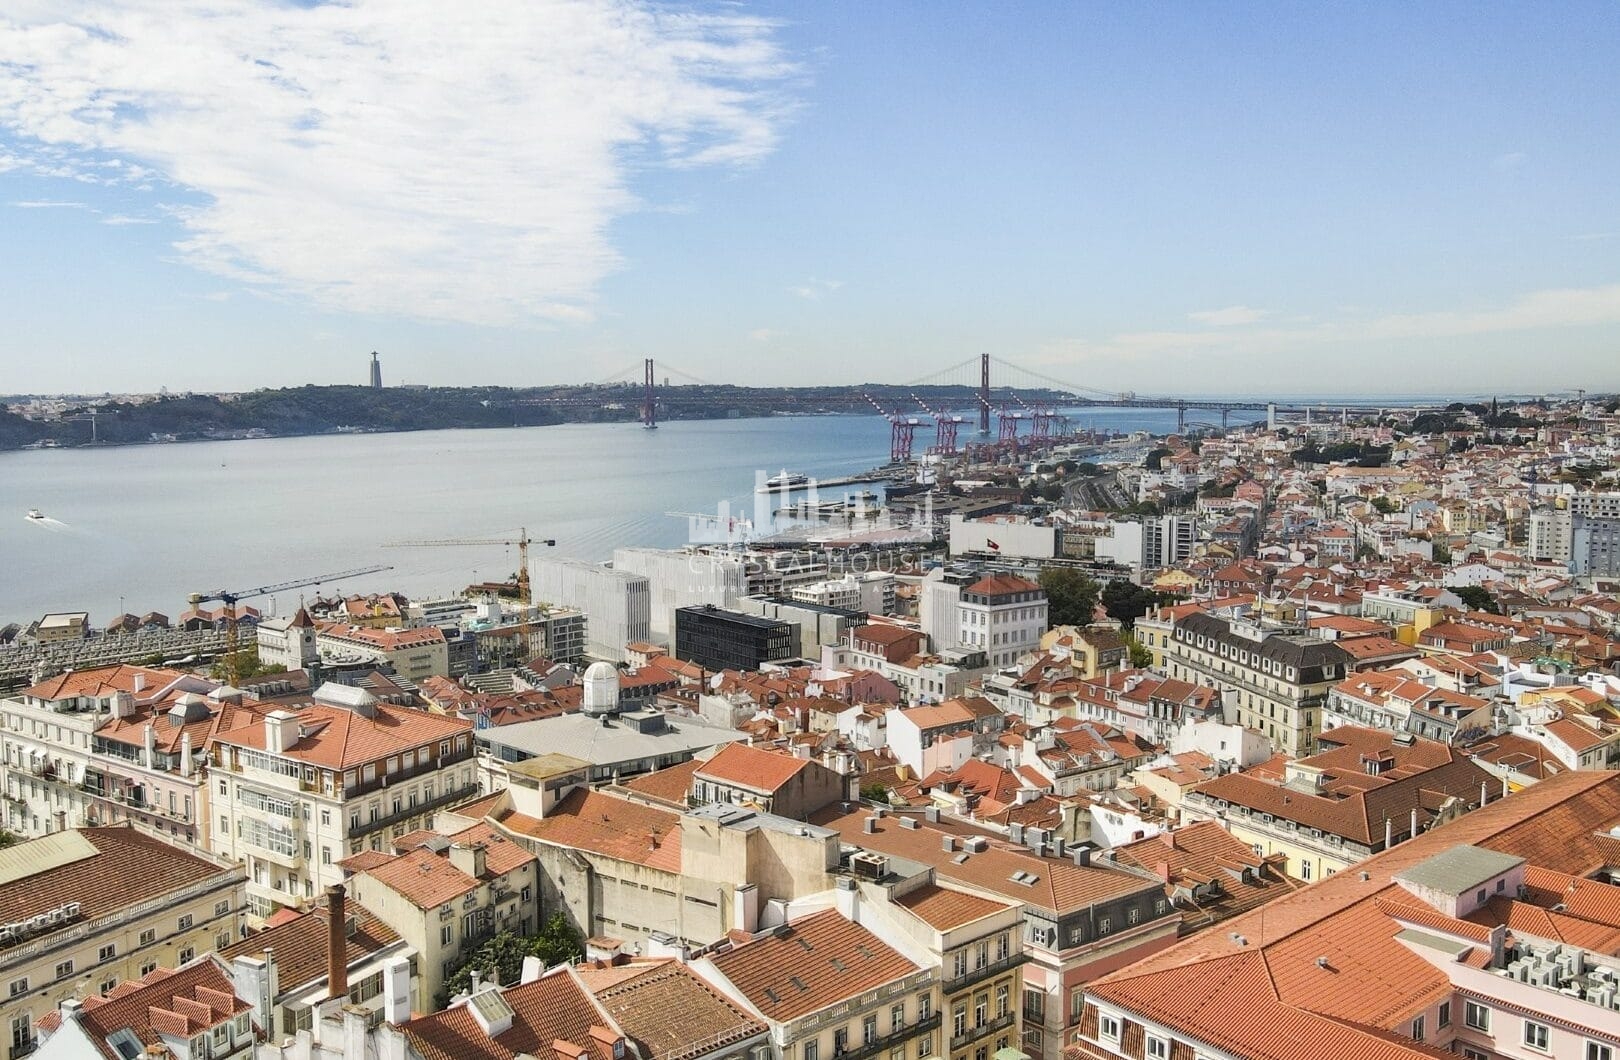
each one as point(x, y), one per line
point(973, 1034)
point(407, 812)
point(880, 1046)
point(978, 975)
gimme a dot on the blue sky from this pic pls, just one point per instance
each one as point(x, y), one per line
point(1171, 198)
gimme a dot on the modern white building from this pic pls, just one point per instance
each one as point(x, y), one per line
point(287, 642)
point(1003, 536)
point(679, 578)
point(1550, 535)
point(617, 603)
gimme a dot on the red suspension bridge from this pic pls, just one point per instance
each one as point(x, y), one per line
point(946, 401)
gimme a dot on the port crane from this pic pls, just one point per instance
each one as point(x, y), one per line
point(945, 429)
point(230, 597)
point(902, 430)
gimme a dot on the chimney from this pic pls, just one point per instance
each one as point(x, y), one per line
point(469, 858)
point(947, 842)
point(847, 899)
point(397, 990)
point(70, 1008)
point(1057, 846)
point(140, 681)
point(1082, 856)
point(337, 945)
point(150, 739)
point(280, 730)
point(1413, 833)
point(869, 826)
point(186, 764)
point(1015, 832)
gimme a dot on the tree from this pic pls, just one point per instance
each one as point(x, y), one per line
point(1385, 505)
point(1126, 601)
point(556, 943)
point(1478, 598)
point(1141, 657)
point(8, 839)
point(1155, 459)
point(875, 793)
point(247, 665)
point(1071, 597)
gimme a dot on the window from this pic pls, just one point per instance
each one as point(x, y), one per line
point(147, 968)
point(1599, 1051)
point(106, 986)
point(1108, 1027)
point(1445, 1015)
point(446, 933)
point(1304, 869)
point(958, 964)
point(897, 1017)
point(840, 1041)
point(187, 954)
point(1001, 946)
point(1158, 1048)
point(1536, 1035)
point(148, 936)
point(981, 1009)
point(1077, 1004)
point(959, 1019)
point(326, 818)
point(1104, 925)
point(184, 923)
point(1417, 1029)
point(222, 907)
point(1474, 1054)
point(1476, 1016)
point(925, 1046)
point(107, 952)
point(64, 969)
point(1003, 1000)
point(869, 1029)
point(222, 940)
point(19, 987)
point(812, 1049)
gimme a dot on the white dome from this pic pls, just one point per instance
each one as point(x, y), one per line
point(601, 689)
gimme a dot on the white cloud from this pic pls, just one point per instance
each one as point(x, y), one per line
point(50, 204)
point(1511, 160)
point(1255, 348)
point(441, 161)
point(125, 219)
point(765, 334)
point(1231, 316)
point(814, 289)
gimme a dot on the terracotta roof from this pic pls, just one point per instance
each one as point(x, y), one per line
point(300, 944)
point(751, 767)
point(100, 681)
point(1002, 585)
point(340, 738)
point(181, 1003)
point(669, 784)
point(1059, 884)
point(126, 868)
point(1270, 998)
point(813, 963)
point(944, 909)
point(427, 878)
point(669, 1011)
point(603, 824)
point(554, 1008)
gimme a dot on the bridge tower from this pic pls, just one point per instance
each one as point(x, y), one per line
point(984, 393)
point(649, 404)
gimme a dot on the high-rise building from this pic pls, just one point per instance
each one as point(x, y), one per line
point(1595, 534)
point(617, 604)
point(376, 372)
point(717, 639)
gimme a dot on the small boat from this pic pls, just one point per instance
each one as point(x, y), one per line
point(36, 514)
point(787, 478)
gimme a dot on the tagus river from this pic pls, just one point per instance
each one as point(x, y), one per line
point(136, 528)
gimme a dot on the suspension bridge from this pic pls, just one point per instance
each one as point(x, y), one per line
point(955, 402)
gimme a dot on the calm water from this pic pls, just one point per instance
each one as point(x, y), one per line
point(136, 528)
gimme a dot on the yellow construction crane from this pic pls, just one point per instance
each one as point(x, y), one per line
point(522, 541)
point(229, 597)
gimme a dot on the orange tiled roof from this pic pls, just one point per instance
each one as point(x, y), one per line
point(128, 867)
point(751, 767)
point(604, 824)
point(945, 909)
point(339, 738)
point(181, 1004)
point(554, 1008)
point(814, 963)
point(300, 944)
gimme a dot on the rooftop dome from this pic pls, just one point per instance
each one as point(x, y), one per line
point(601, 689)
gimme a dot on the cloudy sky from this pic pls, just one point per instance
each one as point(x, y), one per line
point(1180, 198)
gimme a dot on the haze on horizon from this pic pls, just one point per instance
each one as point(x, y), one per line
point(1194, 199)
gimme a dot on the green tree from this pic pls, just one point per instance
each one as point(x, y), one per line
point(1141, 657)
point(1442, 552)
point(1155, 459)
point(8, 839)
point(1478, 598)
point(875, 793)
point(1126, 601)
point(247, 665)
point(1071, 596)
point(556, 943)
point(1385, 505)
